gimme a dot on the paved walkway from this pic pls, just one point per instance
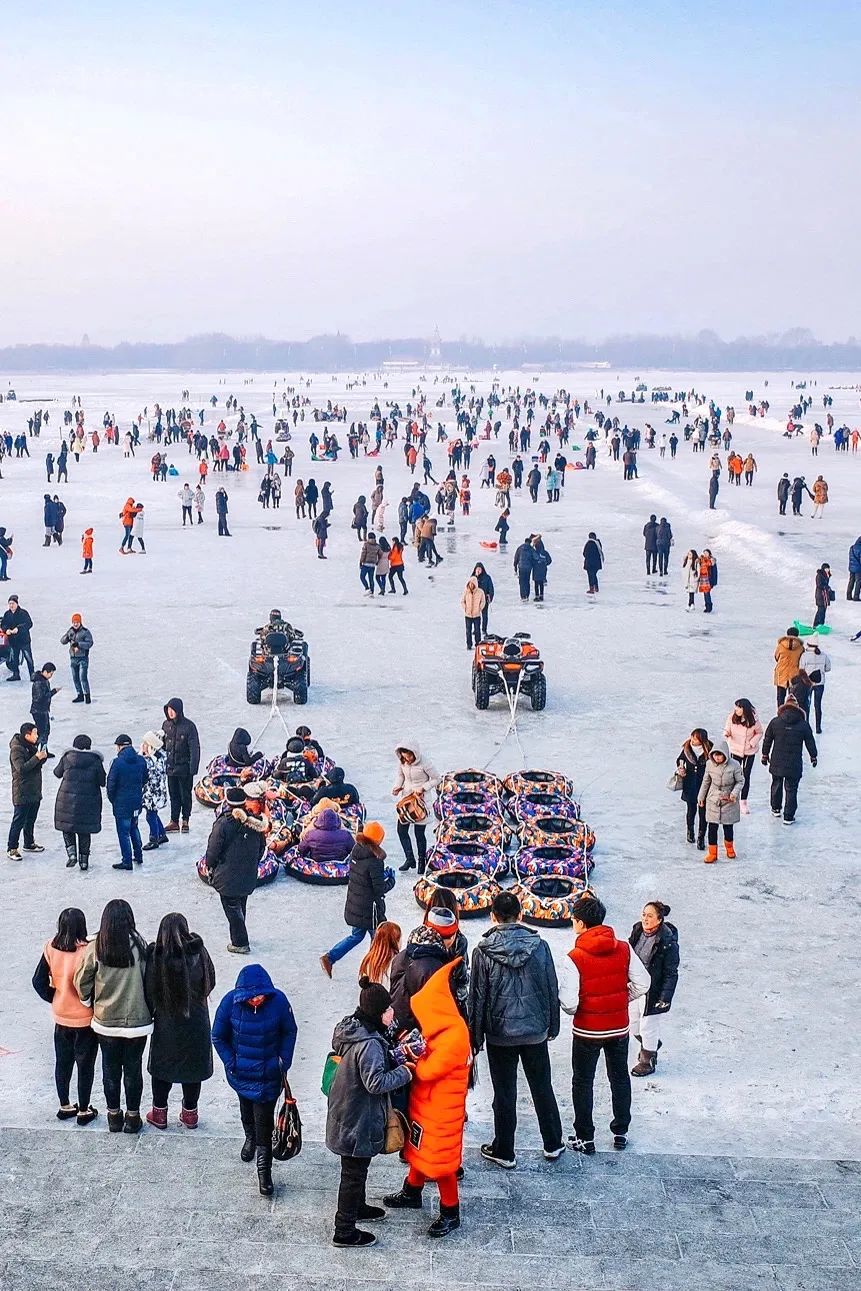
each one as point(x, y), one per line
point(179, 1212)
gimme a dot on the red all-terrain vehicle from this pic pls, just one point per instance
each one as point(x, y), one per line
point(510, 665)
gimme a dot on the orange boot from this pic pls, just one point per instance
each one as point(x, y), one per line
point(730, 850)
point(711, 855)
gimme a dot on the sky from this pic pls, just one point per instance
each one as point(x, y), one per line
point(501, 169)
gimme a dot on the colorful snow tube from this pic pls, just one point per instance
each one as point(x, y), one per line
point(321, 873)
point(475, 892)
point(472, 828)
point(538, 782)
point(528, 806)
point(479, 781)
point(207, 793)
point(547, 900)
point(466, 802)
point(267, 869)
point(466, 856)
point(556, 830)
point(536, 862)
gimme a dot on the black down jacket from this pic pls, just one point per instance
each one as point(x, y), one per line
point(365, 905)
point(236, 843)
point(181, 743)
point(78, 805)
point(514, 995)
point(181, 1048)
point(664, 965)
point(785, 737)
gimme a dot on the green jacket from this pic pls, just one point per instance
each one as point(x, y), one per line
point(116, 994)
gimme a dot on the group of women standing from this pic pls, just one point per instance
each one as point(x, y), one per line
point(714, 779)
point(700, 577)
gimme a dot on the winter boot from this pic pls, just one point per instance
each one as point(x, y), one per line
point(84, 859)
point(354, 1238)
point(132, 1123)
point(711, 855)
point(447, 1221)
point(409, 859)
point(409, 1198)
point(690, 835)
point(647, 1063)
point(172, 827)
point(188, 1117)
point(730, 850)
point(72, 853)
point(157, 1117)
point(115, 1122)
point(246, 1152)
point(701, 842)
point(264, 1171)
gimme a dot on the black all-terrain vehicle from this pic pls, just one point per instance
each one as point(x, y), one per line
point(289, 650)
point(511, 665)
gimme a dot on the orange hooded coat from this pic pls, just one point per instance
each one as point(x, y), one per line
point(437, 1095)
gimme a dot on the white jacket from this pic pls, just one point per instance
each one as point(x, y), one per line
point(419, 775)
point(690, 574)
point(812, 662)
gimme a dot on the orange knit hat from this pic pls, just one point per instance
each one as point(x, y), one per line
point(374, 831)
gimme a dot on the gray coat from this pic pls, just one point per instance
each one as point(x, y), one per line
point(720, 781)
point(359, 1097)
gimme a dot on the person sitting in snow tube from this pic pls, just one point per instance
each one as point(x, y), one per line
point(466, 802)
point(296, 769)
point(547, 900)
point(229, 768)
point(550, 830)
point(466, 856)
point(472, 828)
point(336, 788)
point(479, 781)
point(473, 890)
point(327, 839)
point(534, 862)
point(538, 782)
point(527, 806)
point(247, 805)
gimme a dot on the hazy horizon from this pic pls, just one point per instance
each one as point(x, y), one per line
point(498, 170)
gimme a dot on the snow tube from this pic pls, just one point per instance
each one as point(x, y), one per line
point(538, 782)
point(557, 831)
point(529, 806)
point(473, 828)
point(466, 802)
point(547, 900)
point(453, 781)
point(220, 773)
point(307, 870)
point(537, 862)
point(805, 630)
point(352, 817)
point(208, 794)
point(465, 856)
point(474, 892)
point(267, 869)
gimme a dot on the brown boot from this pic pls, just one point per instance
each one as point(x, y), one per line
point(646, 1065)
point(326, 965)
point(172, 827)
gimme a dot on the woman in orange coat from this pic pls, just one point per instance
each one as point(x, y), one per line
point(437, 1102)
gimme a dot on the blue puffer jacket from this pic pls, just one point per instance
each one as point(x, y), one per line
point(254, 1041)
point(855, 557)
point(126, 779)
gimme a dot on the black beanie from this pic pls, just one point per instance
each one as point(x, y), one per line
point(374, 999)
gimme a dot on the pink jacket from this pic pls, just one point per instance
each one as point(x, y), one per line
point(742, 740)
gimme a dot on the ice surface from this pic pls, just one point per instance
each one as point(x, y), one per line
point(760, 1051)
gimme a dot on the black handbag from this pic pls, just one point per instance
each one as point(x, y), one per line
point(287, 1134)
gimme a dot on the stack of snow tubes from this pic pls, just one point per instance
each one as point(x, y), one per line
point(527, 825)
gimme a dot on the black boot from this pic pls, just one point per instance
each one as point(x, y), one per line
point(690, 835)
point(72, 853)
point(447, 1221)
point(701, 842)
point(409, 1198)
point(409, 864)
point(264, 1171)
point(246, 1152)
point(84, 859)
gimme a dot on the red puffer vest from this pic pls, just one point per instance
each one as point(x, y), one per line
point(603, 964)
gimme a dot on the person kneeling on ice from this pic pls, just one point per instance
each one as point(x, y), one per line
point(327, 839)
point(719, 794)
point(358, 1106)
point(437, 1103)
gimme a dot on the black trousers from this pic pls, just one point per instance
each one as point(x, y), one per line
point(651, 562)
point(258, 1120)
point(592, 575)
point(503, 1061)
point(406, 842)
point(222, 526)
point(75, 1047)
point(584, 1062)
point(234, 908)
point(351, 1193)
point(179, 792)
point(161, 1092)
point(713, 828)
point(122, 1060)
point(781, 695)
point(663, 561)
point(746, 764)
point(698, 814)
point(473, 630)
point(853, 588)
point(23, 819)
point(78, 843)
point(788, 786)
point(817, 706)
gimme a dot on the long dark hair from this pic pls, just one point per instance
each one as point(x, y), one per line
point(71, 929)
point(172, 989)
point(117, 936)
point(748, 713)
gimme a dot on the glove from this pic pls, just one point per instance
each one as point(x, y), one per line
point(764, 761)
point(813, 762)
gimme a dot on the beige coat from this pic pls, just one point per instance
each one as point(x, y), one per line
point(473, 600)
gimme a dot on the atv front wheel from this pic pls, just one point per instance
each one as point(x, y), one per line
point(253, 689)
point(482, 691)
point(539, 693)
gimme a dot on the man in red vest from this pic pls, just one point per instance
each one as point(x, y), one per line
point(601, 976)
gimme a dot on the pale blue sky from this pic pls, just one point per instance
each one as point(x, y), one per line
point(499, 169)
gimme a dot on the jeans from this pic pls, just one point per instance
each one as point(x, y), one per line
point(853, 588)
point(161, 1092)
point(584, 1061)
point(381, 583)
point(663, 561)
point(406, 843)
point(122, 1059)
point(75, 1047)
point(473, 630)
point(23, 819)
point(746, 764)
point(222, 526)
point(818, 691)
point(186, 512)
point(366, 574)
point(156, 828)
point(258, 1120)
point(43, 728)
point(789, 785)
point(354, 938)
point(503, 1060)
point(234, 908)
point(80, 666)
point(351, 1193)
point(129, 837)
point(179, 792)
point(126, 544)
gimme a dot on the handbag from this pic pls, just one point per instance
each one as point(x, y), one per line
point(675, 782)
point(330, 1070)
point(396, 1131)
point(412, 810)
point(287, 1132)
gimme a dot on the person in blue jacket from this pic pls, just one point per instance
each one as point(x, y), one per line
point(853, 588)
point(524, 563)
point(254, 1034)
point(126, 779)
